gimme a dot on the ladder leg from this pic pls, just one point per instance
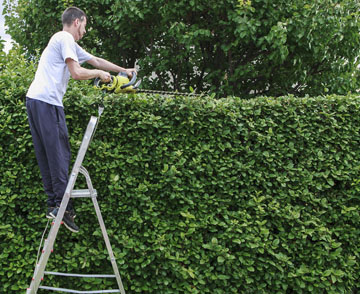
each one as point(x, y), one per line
point(107, 242)
point(48, 247)
point(103, 229)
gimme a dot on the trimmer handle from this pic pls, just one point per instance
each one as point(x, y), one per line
point(132, 81)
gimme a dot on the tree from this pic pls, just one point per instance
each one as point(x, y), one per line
point(243, 48)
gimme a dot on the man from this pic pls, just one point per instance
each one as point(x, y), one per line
point(60, 59)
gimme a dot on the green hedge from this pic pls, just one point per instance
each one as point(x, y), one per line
point(198, 195)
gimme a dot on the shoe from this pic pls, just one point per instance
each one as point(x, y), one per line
point(48, 215)
point(72, 212)
point(67, 219)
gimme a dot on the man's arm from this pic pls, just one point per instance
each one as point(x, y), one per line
point(109, 66)
point(80, 73)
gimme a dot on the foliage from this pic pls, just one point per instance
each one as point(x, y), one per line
point(198, 195)
point(2, 50)
point(2, 46)
point(242, 48)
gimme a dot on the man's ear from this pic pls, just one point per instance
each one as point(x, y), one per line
point(76, 22)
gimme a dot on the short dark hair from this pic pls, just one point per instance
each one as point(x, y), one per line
point(72, 13)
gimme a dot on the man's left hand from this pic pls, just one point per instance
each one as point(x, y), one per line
point(129, 72)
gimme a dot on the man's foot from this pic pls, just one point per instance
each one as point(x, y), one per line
point(68, 220)
point(48, 215)
point(72, 212)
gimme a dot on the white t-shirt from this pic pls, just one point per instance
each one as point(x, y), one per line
point(52, 76)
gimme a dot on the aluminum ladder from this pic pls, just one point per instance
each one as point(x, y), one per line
point(39, 271)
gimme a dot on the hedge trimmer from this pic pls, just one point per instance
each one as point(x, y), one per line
point(122, 84)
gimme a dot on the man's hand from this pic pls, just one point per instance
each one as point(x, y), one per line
point(104, 76)
point(129, 72)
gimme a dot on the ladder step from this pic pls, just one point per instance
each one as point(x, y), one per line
point(80, 275)
point(75, 291)
point(82, 193)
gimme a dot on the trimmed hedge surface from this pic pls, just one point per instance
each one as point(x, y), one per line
point(198, 195)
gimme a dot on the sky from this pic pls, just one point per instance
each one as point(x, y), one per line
point(3, 35)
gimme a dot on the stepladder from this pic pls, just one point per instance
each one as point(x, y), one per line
point(70, 192)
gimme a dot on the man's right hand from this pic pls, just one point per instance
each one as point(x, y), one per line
point(104, 76)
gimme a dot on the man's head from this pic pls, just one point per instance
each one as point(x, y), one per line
point(74, 19)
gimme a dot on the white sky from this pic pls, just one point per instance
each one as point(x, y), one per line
point(2, 30)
